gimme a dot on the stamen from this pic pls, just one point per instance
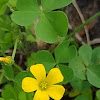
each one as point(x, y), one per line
point(43, 85)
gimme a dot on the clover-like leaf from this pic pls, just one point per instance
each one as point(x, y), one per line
point(20, 76)
point(85, 53)
point(49, 5)
point(81, 97)
point(22, 95)
point(79, 84)
point(93, 70)
point(9, 92)
point(66, 72)
point(93, 75)
point(8, 69)
point(65, 53)
point(78, 68)
point(58, 21)
point(50, 25)
point(45, 31)
point(87, 64)
point(24, 18)
point(25, 96)
point(45, 57)
point(95, 59)
point(28, 12)
point(27, 5)
point(88, 93)
point(31, 60)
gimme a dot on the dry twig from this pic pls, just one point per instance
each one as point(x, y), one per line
point(95, 41)
point(82, 19)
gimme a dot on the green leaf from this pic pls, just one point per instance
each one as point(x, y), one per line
point(95, 59)
point(8, 71)
point(49, 5)
point(29, 96)
point(98, 95)
point(30, 38)
point(67, 73)
point(79, 84)
point(17, 88)
point(27, 5)
point(31, 60)
point(20, 76)
point(58, 51)
point(45, 31)
point(3, 5)
point(78, 68)
point(85, 53)
point(4, 80)
point(22, 95)
point(88, 94)
point(28, 12)
point(45, 57)
point(50, 25)
point(2, 99)
point(81, 97)
point(13, 3)
point(24, 18)
point(58, 21)
point(93, 70)
point(63, 53)
point(9, 92)
point(93, 75)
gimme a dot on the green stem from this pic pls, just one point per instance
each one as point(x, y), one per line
point(15, 47)
point(82, 25)
point(2, 74)
point(18, 67)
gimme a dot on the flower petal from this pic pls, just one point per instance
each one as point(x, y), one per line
point(56, 91)
point(41, 95)
point(29, 84)
point(39, 72)
point(54, 76)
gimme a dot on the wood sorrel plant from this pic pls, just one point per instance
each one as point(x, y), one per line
point(65, 63)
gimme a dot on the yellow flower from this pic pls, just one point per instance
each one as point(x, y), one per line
point(45, 86)
point(7, 59)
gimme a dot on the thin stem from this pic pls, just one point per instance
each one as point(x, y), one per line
point(82, 25)
point(15, 47)
point(83, 20)
point(1, 77)
point(18, 67)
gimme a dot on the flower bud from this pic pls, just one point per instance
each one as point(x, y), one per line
point(7, 60)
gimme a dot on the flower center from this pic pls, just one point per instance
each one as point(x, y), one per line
point(43, 85)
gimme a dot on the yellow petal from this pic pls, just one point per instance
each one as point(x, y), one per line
point(2, 58)
point(56, 91)
point(39, 72)
point(54, 76)
point(29, 84)
point(7, 59)
point(41, 95)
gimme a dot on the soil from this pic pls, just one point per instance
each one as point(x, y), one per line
point(88, 9)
